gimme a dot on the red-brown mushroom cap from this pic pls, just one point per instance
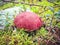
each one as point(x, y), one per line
point(28, 20)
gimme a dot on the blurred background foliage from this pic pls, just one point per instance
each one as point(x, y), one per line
point(44, 8)
point(48, 10)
